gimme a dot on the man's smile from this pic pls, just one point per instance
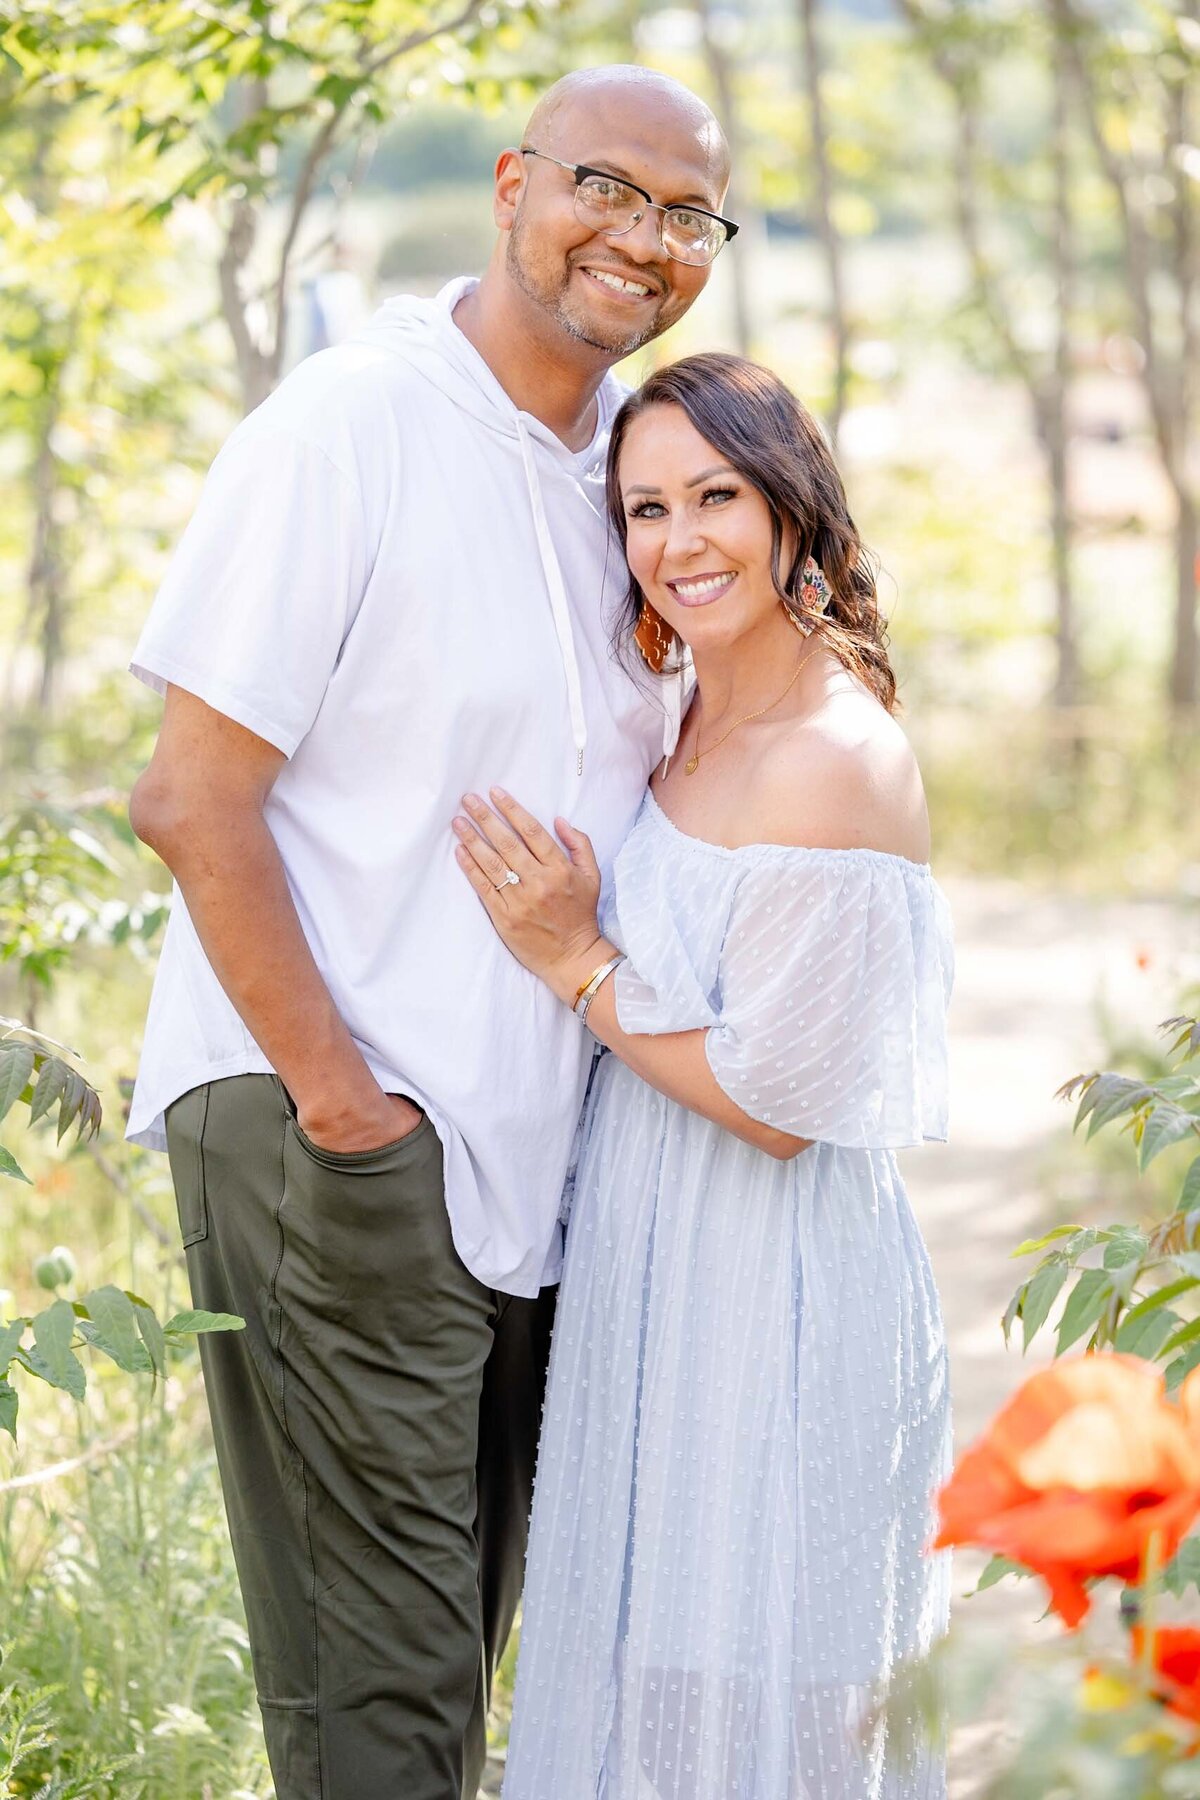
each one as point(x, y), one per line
point(625, 287)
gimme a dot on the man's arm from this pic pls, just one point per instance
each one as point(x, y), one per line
point(199, 806)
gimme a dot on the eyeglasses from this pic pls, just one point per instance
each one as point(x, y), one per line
point(688, 234)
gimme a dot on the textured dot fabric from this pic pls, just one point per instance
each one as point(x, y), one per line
point(748, 1408)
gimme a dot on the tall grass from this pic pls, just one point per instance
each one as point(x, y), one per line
point(121, 1611)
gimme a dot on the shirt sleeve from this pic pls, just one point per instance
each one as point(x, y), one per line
point(262, 589)
point(834, 981)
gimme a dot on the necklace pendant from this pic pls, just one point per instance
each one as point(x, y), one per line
point(691, 765)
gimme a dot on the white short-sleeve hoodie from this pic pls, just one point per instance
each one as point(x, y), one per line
point(408, 586)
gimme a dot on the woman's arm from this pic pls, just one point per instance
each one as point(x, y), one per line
point(548, 921)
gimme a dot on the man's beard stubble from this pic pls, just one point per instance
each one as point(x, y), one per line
point(555, 302)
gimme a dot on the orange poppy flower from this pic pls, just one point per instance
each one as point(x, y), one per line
point(1177, 1664)
point(1077, 1472)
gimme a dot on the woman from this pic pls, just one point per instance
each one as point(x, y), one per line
point(747, 1411)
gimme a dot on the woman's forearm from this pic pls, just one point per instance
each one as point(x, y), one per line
point(674, 1062)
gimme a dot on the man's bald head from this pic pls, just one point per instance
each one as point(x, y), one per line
point(586, 98)
point(607, 286)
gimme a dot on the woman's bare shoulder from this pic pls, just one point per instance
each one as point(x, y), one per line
point(845, 778)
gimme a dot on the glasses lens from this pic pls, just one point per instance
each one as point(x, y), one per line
point(607, 204)
point(691, 237)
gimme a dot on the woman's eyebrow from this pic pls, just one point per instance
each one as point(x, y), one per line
point(707, 474)
point(704, 475)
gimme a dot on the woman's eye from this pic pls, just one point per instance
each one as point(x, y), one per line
point(720, 494)
point(646, 509)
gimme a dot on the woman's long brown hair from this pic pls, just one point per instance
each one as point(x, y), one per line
point(761, 430)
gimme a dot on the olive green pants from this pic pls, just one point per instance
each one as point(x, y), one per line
point(376, 1426)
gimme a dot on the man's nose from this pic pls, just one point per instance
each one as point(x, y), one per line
point(642, 243)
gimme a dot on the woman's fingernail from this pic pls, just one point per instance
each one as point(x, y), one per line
point(500, 794)
point(462, 826)
point(471, 800)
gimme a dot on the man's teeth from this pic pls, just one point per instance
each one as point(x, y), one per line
point(622, 287)
point(708, 585)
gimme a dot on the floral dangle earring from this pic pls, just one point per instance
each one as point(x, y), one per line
point(815, 593)
point(653, 637)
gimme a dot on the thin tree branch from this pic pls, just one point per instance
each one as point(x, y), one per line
point(17, 1484)
point(322, 147)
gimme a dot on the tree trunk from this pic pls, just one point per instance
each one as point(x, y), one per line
point(46, 589)
point(1154, 261)
point(1185, 660)
point(831, 242)
point(720, 70)
point(1056, 433)
point(1185, 666)
point(257, 360)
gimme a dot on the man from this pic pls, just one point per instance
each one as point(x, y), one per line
point(398, 588)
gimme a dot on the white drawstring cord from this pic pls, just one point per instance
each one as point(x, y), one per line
point(558, 596)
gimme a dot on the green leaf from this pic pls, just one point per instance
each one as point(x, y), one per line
point(50, 1084)
point(1107, 1098)
point(1012, 1311)
point(10, 1166)
point(72, 1102)
point(10, 1338)
point(1170, 1290)
point(114, 1329)
point(185, 1323)
point(8, 1408)
point(1183, 1570)
point(1187, 1334)
point(1166, 1124)
point(54, 1360)
point(1190, 1194)
point(1146, 1334)
point(1182, 1367)
point(1086, 1302)
point(1125, 1246)
point(1040, 1295)
point(1060, 1231)
point(997, 1569)
point(153, 1335)
point(16, 1067)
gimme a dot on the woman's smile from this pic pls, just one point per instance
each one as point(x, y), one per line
point(701, 590)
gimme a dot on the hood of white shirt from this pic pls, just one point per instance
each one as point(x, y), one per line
point(423, 332)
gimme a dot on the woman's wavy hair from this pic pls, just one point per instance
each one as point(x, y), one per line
point(761, 429)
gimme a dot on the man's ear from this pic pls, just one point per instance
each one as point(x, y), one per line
point(509, 186)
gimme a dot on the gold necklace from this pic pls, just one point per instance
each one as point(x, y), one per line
point(693, 761)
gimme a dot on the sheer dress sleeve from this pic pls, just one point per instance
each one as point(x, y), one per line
point(834, 979)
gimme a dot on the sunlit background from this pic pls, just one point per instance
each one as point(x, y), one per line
point(969, 240)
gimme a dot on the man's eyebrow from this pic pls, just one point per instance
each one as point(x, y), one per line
point(705, 475)
point(609, 167)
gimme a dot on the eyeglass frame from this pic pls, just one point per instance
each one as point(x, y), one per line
point(582, 170)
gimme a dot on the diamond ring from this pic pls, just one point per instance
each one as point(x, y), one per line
point(511, 879)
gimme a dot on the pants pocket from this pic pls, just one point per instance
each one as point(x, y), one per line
point(352, 1161)
point(185, 1120)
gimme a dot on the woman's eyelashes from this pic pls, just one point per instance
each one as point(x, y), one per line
point(654, 509)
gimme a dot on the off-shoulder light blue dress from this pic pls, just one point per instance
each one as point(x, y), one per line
point(748, 1411)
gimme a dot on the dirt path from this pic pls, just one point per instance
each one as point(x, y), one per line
point(1033, 974)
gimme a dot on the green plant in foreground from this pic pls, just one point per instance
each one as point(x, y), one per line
point(34, 1071)
point(118, 1323)
point(119, 1599)
point(26, 1721)
point(1126, 1287)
